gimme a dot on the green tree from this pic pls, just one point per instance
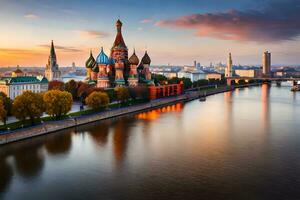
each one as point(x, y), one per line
point(57, 103)
point(3, 113)
point(28, 105)
point(71, 87)
point(122, 94)
point(97, 100)
point(159, 79)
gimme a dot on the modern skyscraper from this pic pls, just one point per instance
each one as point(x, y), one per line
point(228, 71)
point(52, 72)
point(266, 64)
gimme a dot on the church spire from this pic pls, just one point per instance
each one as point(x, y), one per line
point(119, 41)
point(52, 50)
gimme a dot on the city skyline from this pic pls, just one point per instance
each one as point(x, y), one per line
point(200, 31)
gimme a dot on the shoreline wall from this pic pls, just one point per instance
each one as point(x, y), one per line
point(53, 126)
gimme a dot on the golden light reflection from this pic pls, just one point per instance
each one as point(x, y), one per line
point(155, 114)
point(265, 94)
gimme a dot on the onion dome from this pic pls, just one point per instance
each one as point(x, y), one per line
point(102, 58)
point(111, 61)
point(90, 62)
point(18, 71)
point(146, 59)
point(95, 68)
point(134, 60)
point(140, 67)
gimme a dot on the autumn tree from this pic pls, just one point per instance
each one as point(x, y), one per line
point(56, 85)
point(81, 91)
point(97, 100)
point(122, 94)
point(57, 103)
point(71, 87)
point(28, 105)
point(3, 113)
point(7, 102)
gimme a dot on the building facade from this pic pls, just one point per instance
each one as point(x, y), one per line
point(250, 73)
point(213, 75)
point(52, 71)
point(15, 86)
point(194, 75)
point(228, 71)
point(266, 64)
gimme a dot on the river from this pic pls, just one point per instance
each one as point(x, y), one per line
point(237, 145)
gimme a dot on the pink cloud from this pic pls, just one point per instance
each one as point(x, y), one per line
point(276, 23)
point(146, 21)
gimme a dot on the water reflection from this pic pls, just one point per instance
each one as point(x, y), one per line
point(29, 162)
point(121, 134)
point(6, 174)
point(155, 114)
point(59, 143)
point(207, 150)
point(265, 111)
point(100, 135)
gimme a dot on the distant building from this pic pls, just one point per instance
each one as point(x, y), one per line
point(251, 73)
point(213, 75)
point(14, 86)
point(194, 75)
point(228, 71)
point(52, 72)
point(266, 64)
point(199, 66)
point(17, 72)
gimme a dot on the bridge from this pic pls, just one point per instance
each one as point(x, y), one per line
point(264, 79)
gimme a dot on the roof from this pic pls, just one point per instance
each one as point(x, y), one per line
point(134, 60)
point(102, 58)
point(90, 63)
point(18, 71)
point(119, 41)
point(23, 79)
point(146, 59)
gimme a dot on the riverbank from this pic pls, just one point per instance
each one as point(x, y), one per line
point(53, 126)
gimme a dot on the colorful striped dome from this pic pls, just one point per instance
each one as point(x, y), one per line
point(90, 63)
point(102, 58)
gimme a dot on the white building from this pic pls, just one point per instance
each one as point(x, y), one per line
point(194, 75)
point(14, 86)
point(52, 72)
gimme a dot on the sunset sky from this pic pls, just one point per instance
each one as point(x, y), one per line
point(173, 31)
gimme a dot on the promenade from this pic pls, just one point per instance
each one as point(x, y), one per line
point(53, 126)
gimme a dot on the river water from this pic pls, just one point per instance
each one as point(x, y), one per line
point(237, 145)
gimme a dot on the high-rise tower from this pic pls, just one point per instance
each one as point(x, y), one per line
point(228, 71)
point(52, 72)
point(266, 64)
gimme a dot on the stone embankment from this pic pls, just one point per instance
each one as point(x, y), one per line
point(53, 126)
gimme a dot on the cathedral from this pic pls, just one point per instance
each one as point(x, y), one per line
point(117, 69)
point(52, 72)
